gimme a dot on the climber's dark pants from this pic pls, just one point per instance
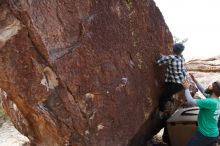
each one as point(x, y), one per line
point(170, 89)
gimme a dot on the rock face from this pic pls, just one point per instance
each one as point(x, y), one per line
point(205, 70)
point(81, 73)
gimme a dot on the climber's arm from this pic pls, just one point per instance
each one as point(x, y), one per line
point(199, 86)
point(189, 98)
point(163, 59)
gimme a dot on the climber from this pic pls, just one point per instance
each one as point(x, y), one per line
point(209, 111)
point(175, 74)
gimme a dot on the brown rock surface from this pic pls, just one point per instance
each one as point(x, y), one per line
point(204, 65)
point(81, 73)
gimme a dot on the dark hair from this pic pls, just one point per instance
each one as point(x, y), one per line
point(178, 48)
point(216, 87)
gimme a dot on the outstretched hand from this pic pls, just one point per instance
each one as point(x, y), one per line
point(186, 84)
point(192, 77)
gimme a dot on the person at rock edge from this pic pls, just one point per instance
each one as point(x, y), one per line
point(175, 74)
point(209, 111)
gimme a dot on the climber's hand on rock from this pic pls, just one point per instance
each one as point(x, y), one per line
point(186, 84)
point(161, 55)
point(158, 57)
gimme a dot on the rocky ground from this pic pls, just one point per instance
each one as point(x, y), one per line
point(9, 136)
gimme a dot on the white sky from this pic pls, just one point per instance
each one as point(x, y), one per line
point(197, 20)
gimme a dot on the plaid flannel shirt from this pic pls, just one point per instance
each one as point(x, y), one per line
point(176, 71)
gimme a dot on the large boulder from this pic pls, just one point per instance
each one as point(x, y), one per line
point(82, 73)
point(205, 70)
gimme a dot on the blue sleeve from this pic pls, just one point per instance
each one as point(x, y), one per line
point(189, 98)
point(201, 89)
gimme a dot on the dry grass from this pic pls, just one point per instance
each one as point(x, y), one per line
point(3, 116)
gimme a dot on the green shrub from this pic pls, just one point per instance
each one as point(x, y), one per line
point(3, 116)
point(2, 113)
